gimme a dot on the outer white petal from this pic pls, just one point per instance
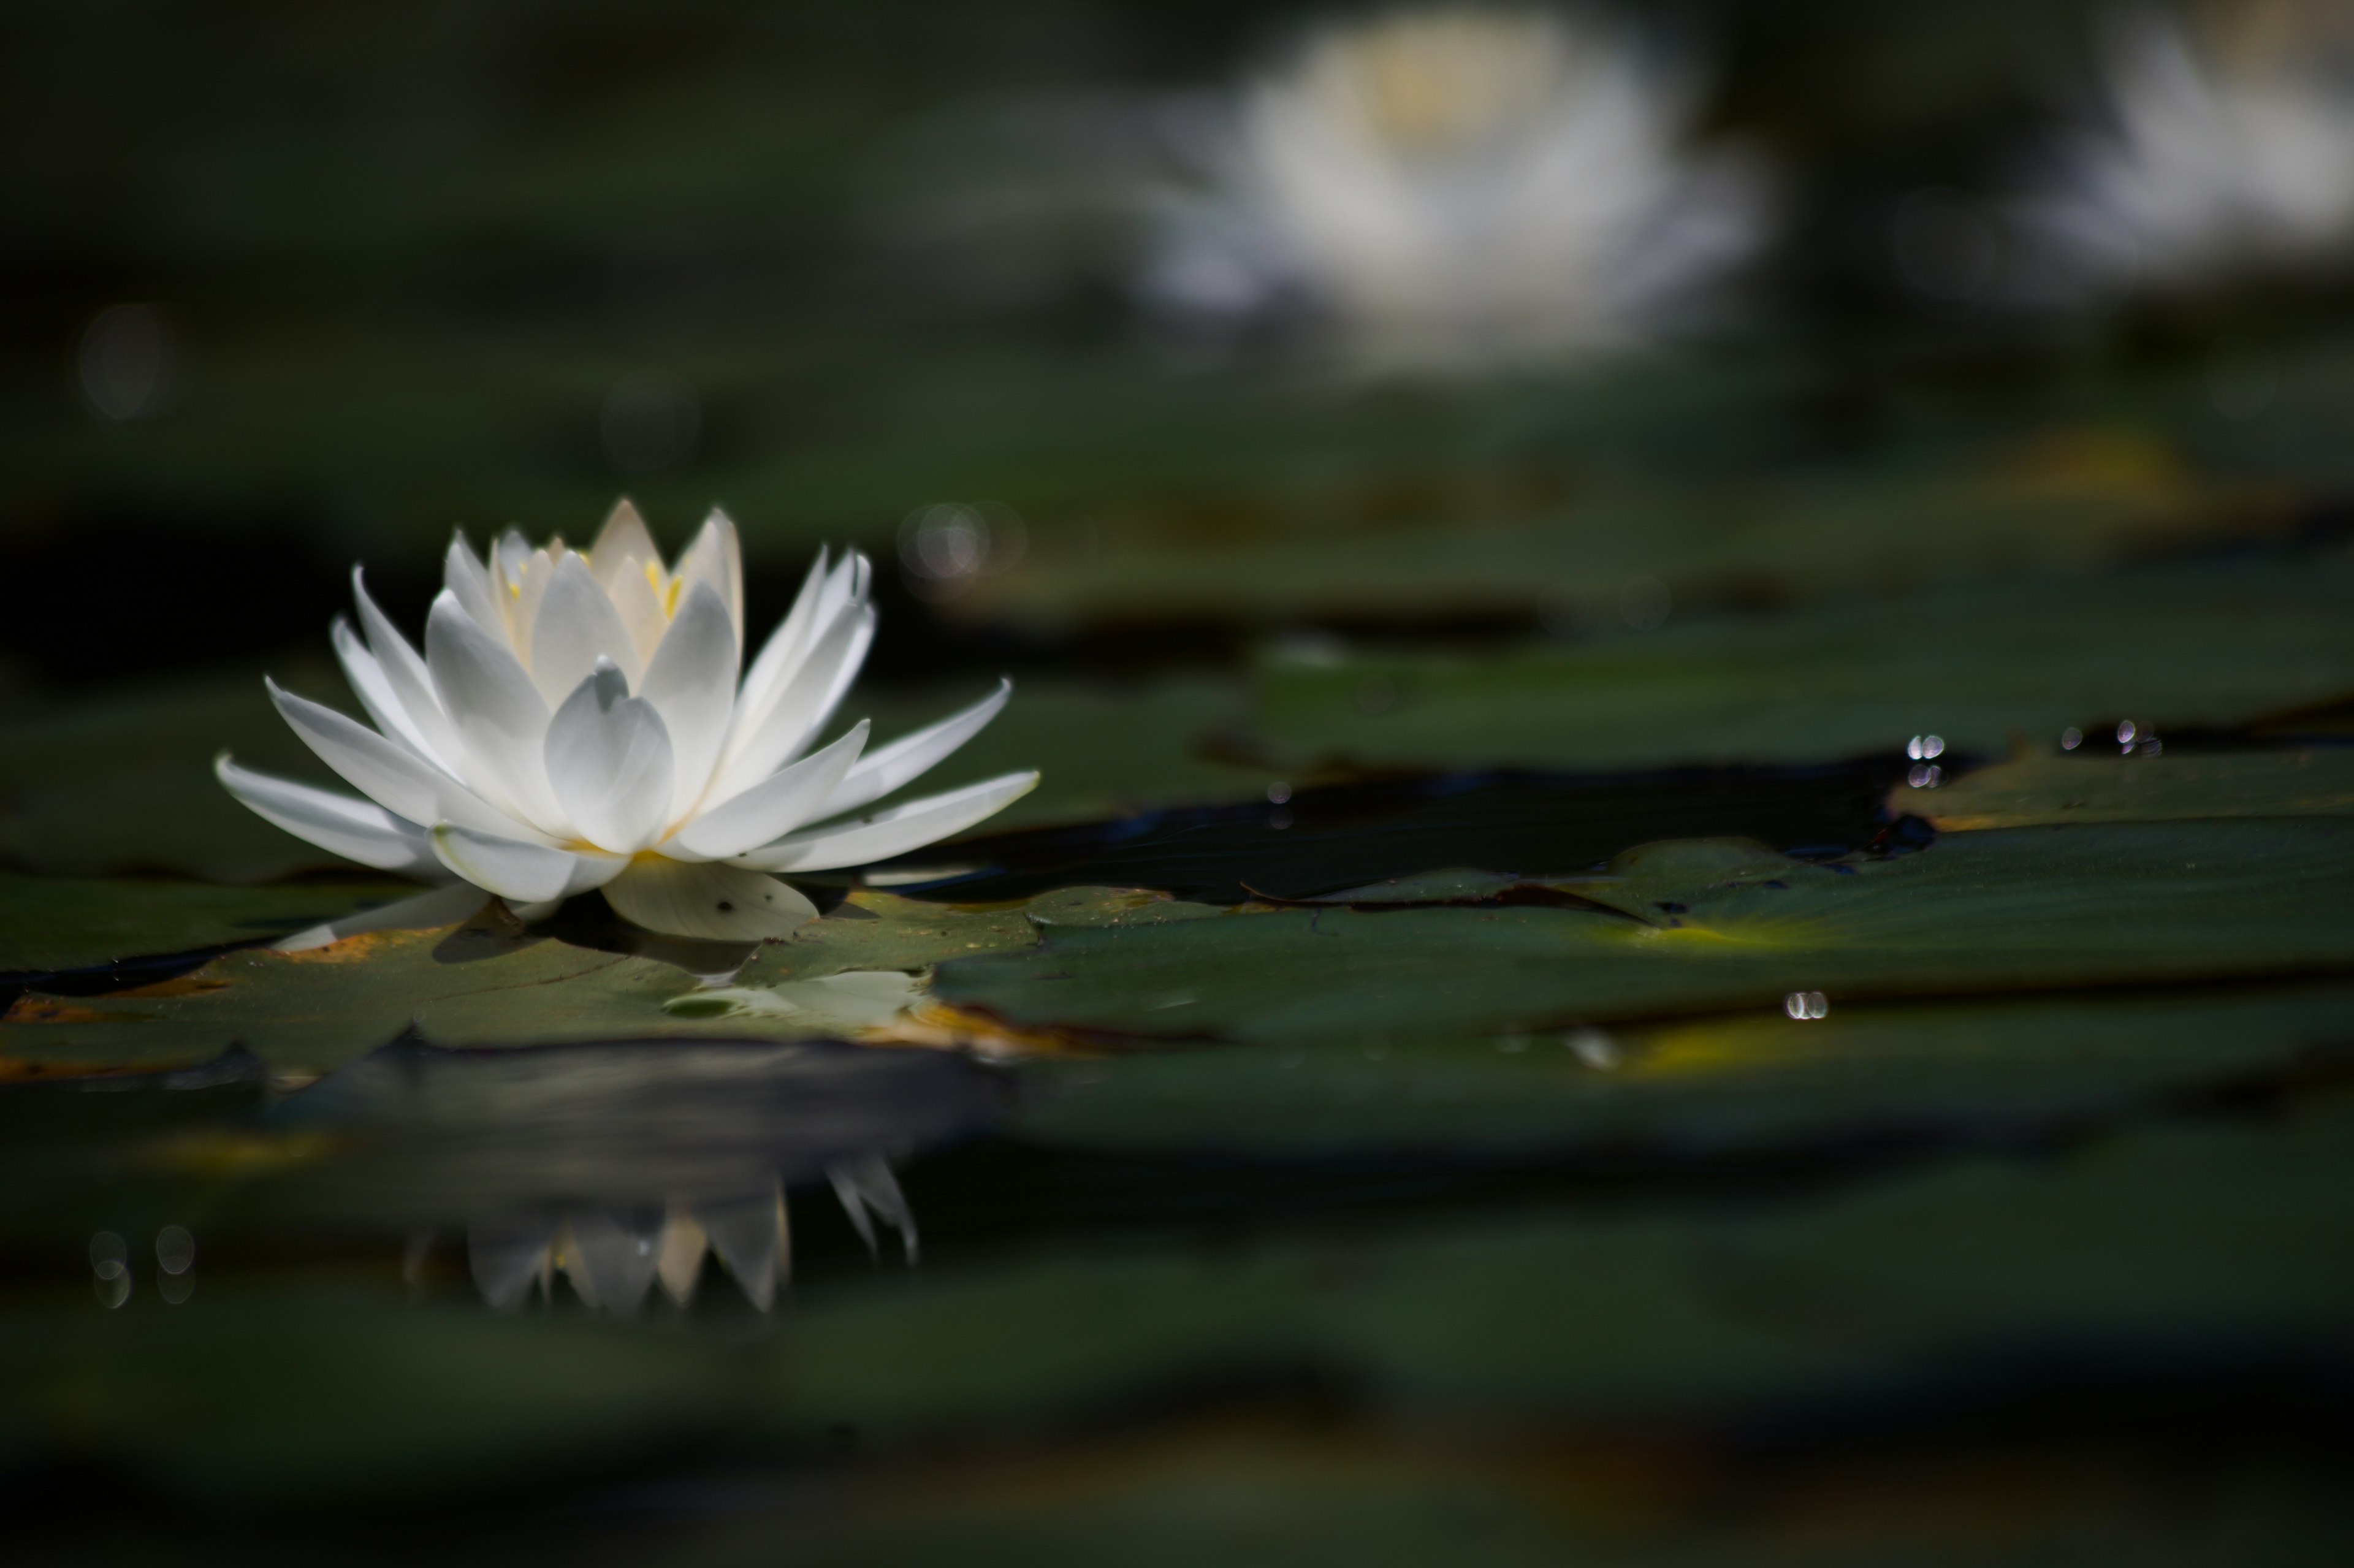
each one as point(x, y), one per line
point(776, 805)
point(356, 830)
point(886, 767)
point(519, 872)
point(893, 832)
point(404, 670)
point(438, 907)
point(781, 653)
point(500, 720)
point(801, 707)
point(464, 574)
point(574, 626)
point(622, 544)
point(608, 762)
point(691, 681)
point(386, 772)
point(711, 901)
point(374, 688)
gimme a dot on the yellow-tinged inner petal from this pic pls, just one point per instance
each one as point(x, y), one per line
point(665, 589)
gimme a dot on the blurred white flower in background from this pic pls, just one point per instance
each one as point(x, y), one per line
point(2226, 146)
point(575, 722)
point(1458, 183)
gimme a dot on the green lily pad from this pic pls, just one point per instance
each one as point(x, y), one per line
point(2172, 787)
point(310, 1011)
point(264, 1395)
point(1868, 1074)
point(1435, 541)
point(1978, 912)
point(55, 923)
point(2222, 1242)
point(1979, 667)
point(2183, 1238)
point(873, 929)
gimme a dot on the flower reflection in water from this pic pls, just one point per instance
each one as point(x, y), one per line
point(619, 1167)
point(613, 1257)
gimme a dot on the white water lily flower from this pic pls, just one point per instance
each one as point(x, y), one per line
point(575, 722)
point(1459, 183)
point(2236, 153)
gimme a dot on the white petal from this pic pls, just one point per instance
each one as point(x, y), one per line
point(775, 806)
point(464, 574)
point(500, 720)
point(715, 558)
point(808, 697)
point(754, 1238)
point(609, 763)
point(893, 832)
point(356, 830)
point(612, 1264)
point(866, 1183)
point(623, 540)
point(374, 688)
point(527, 586)
point(783, 652)
point(510, 557)
point(427, 911)
point(691, 681)
point(641, 609)
point(518, 871)
point(888, 768)
point(711, 901)
point(678, 1261)
point(404, 671)
point(508, 1257)
point(574, 626)
point(386, 772)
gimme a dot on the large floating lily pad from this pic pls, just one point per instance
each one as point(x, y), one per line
point(312, 1011)
point(1979, 667)
point(874, 929)
point(55, 923)
point(1980, 912)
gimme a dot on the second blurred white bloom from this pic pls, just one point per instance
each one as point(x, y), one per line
point(2223, 149)
point(1457, 184)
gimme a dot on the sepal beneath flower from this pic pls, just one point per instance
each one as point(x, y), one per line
point(710, 901)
